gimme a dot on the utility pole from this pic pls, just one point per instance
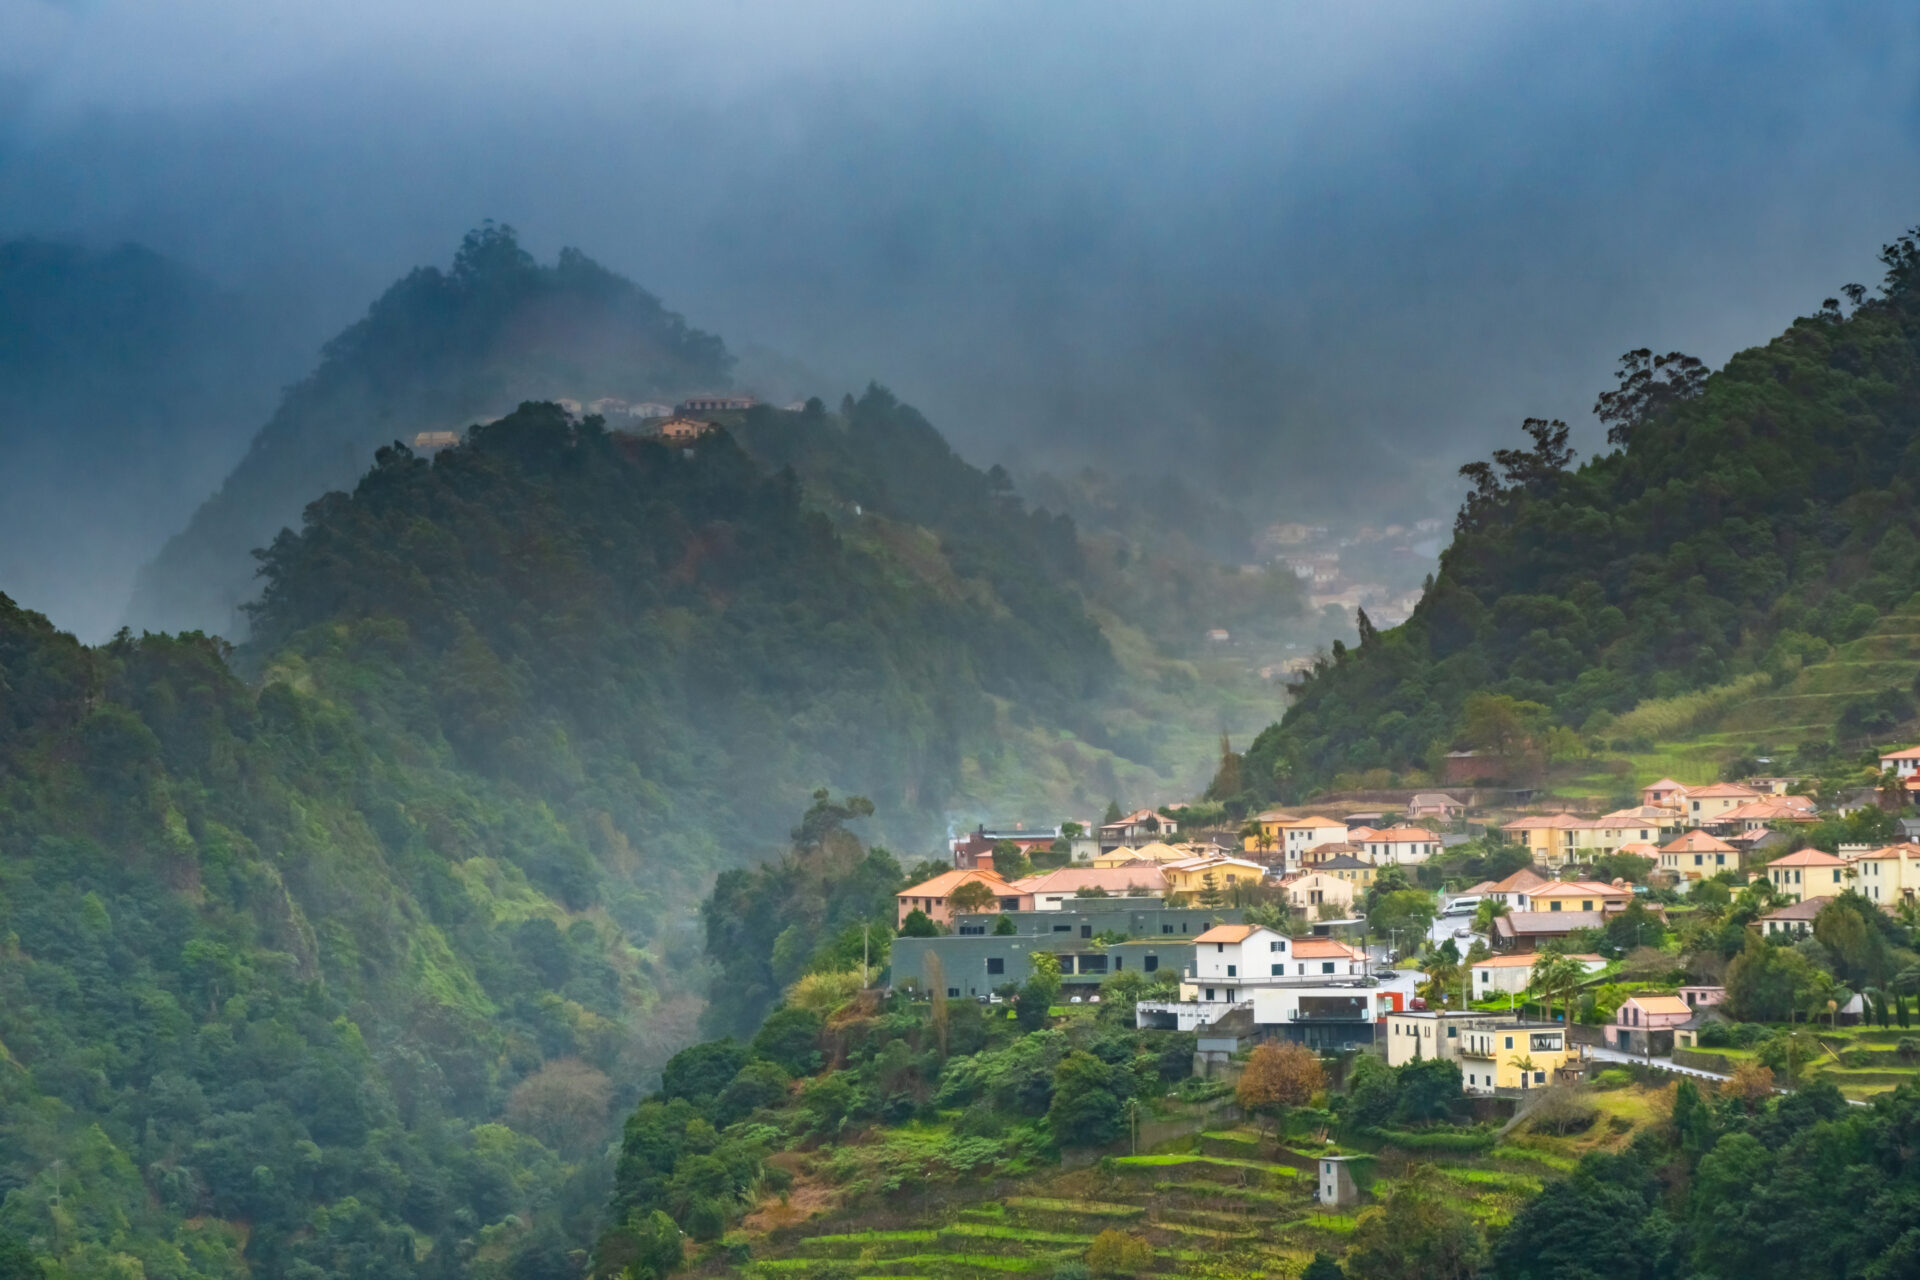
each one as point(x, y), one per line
point(864, 952)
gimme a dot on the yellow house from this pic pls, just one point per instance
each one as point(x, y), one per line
point(1199, 874)
point(1269, 836)
point(1888, 875)
point(1809, 874)
point(1513, 1055)
point(1548, 837)
point(1579, 895)
point(1355, 871)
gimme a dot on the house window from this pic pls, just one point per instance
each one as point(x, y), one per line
point(1276, 946)
point(996, 965)
point(1555, 905)
point(1151, 963)
point(1063, 928)
point(1166, 928)
point(1219, 947)
point(1453, 1033)
point(1509, 1042)
point(1279, 971)
point(1326, 966)
point(1233, 971)
point(1086, 931)
point(953, 993)
point(1209, 993)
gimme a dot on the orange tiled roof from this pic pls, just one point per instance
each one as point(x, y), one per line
point(1808, 858)
point(947, 881)
point(1227, 933)
point(1324, 949)
point(1721, 791)
point(1697, 842)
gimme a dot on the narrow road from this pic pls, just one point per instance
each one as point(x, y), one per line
point(1600, 1053)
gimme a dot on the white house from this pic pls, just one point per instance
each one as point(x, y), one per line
point(1509, 975)
point(1905, 763)
point(1407, 846)
point(1230, 956)
point(1297, 835)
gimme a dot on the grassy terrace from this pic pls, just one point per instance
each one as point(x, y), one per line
point(1224, 1205)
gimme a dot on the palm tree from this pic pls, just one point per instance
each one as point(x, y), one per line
point(1557, 975)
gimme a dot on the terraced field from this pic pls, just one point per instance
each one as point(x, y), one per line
point(1225, 1205)
point(1888, 656)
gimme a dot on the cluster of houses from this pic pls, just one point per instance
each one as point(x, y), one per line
point(1695, 833)
point(1135, 894)
point(675, 423)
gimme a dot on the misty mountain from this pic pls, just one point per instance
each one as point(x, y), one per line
point(128, 384)
point(437, 351)
point(1752, 519)
point(354, 941)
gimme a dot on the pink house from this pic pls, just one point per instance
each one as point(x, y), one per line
point(1703, 997)
point(1645, 1024)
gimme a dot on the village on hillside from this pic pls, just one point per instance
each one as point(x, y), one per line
point(1591, 937)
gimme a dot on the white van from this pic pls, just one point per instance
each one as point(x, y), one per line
point(1464, 906)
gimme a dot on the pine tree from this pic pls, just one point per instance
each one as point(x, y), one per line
point(1226, 779)
point(1369, 634)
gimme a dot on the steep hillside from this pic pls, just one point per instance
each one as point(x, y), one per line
point(438, 350)
point(672, 636)
point(127, 386)
point(347, 962)
point(280, 994)
point(1750, 519)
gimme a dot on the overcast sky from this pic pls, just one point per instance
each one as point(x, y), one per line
point(1260, 241)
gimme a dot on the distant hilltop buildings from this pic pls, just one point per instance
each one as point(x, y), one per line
point(714, 404)
point(677, 424)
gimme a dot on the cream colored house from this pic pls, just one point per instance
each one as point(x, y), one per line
point(1316, 889)
point(1697, 856)
point(1809, 874)
point(1890, 875)
point(1512, 975)
point(1411, 1037)
point(1706, 804)
point(1759, 815)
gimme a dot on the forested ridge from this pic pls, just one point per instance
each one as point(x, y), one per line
point(1744, 517)
point(338, 954)
point(436, 351)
